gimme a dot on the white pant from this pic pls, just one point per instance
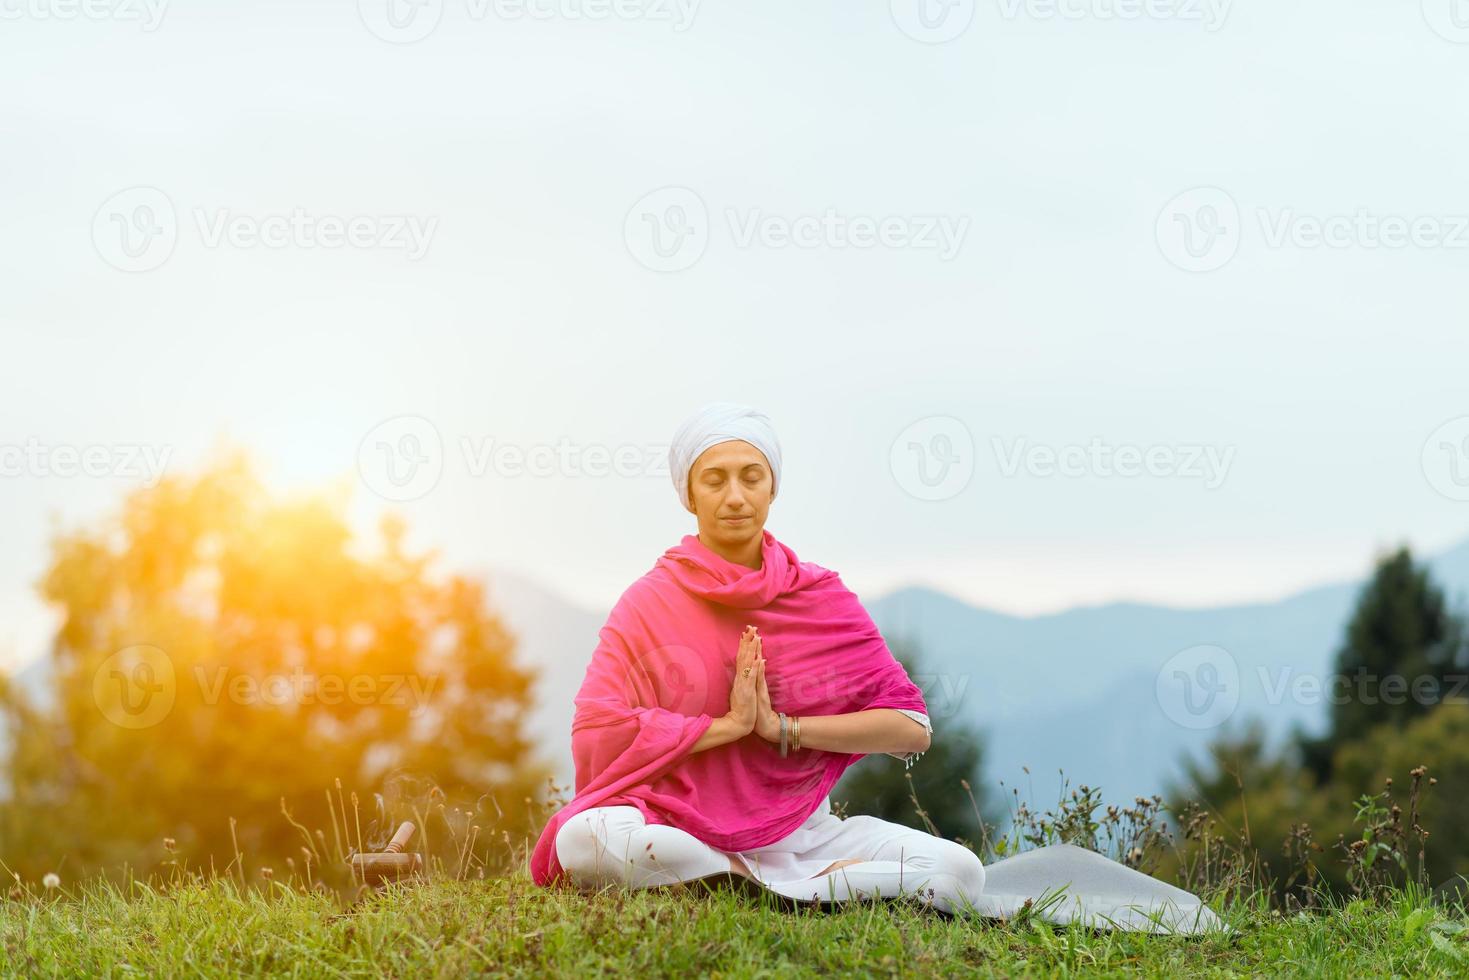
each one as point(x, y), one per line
point(616, 845)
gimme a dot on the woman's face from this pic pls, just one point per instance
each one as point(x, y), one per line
point(730, 489)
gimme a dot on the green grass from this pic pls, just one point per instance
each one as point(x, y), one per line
point(508, 926)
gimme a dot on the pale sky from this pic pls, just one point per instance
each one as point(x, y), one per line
point(1217, 231)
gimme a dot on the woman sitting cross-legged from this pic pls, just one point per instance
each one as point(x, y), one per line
point(823, 859)
point(732, 686)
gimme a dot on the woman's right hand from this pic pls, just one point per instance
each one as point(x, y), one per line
point(749, 670)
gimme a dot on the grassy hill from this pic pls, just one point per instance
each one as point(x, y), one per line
point(208, 926)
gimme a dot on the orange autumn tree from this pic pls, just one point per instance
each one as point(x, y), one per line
point(221, 649)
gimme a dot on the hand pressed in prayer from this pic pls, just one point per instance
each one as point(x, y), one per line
point(767, 722)
point(749, 677)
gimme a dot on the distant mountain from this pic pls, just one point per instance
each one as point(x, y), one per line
point(1073, 691)
point(1078, 690)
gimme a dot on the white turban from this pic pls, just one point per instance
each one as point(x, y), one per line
point(715, 423)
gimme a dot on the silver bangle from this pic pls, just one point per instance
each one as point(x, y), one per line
point(782, 734)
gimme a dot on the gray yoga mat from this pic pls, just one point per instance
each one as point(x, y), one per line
point(1066, 883)
point(1094, 890)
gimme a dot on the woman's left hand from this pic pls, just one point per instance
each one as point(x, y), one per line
point(767, 722)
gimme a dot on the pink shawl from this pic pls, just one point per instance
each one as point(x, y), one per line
point(663, 669)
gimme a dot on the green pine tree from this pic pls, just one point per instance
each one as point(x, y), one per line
point(1402, 652)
